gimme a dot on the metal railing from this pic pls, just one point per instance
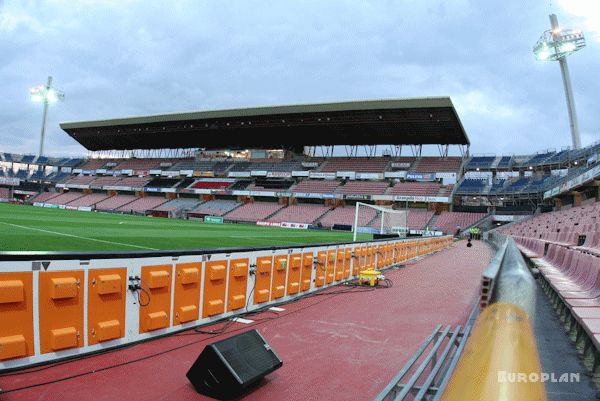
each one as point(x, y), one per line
point(430, 367)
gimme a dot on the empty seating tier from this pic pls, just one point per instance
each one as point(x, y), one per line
point(417, 219)
point(94, 164)
point(177, 205)
point(364, 188)
point(470, 185)
point(45, 196)
point(271, 166)
point(140, 205)
point(202, 184)
point(65, 198)
point(357, 164)
point(163, 182)
point(81, 180)
point(105, 181)
point(414, 189)
point(253, 211)
point(317, 186)
point(88, 200)
point(436, 164)
point(449, 221)
point(115, 202)
point(138, 164)
point(134, 181)
point(198, 165)
point(217, 207)
point(345, 216)
point(299, 214)
point(574, 227)
point(481, 162)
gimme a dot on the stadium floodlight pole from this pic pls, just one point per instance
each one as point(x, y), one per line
point(555, 45)
point(46, 94)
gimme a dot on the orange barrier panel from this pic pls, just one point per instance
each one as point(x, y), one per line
point(362, 260)
point(170, 294)
point(412, 249)
point(339, 264)
point(262, 283)
point(16, 307)
point(321, 270)
point(186, 300)
point(356, 259)
point(215, 276)
point(61, 310)
point(106, 304)
point(396, 253)
point(307, 267)
point(155, 307)
point(238, 282)
point(401, 252)
point(380, 256)
point(293, 281)
point(330, 269)
point(347, 262)
point(370, 257)
point(279, 273)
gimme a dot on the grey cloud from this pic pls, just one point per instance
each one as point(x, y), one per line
point(132, 58)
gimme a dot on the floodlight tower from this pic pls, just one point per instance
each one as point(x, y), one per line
point(556, 44)
point(47, 94)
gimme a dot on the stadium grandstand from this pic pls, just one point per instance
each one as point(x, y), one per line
point(291, 177)
point(179, 230)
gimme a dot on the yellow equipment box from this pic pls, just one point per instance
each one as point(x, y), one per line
point(370, 277)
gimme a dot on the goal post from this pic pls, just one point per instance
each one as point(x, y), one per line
point(379, 220)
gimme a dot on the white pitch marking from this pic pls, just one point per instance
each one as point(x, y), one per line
point(276, 309)
point(77, 236)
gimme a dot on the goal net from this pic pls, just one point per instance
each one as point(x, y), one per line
point(379, 220)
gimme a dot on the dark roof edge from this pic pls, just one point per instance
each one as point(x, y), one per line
point(406, 103)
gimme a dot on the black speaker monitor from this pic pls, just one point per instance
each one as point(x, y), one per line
point(226, 368)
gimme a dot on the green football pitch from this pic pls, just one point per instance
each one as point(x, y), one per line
point(28, 228)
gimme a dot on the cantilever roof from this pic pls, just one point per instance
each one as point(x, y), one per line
point(431, 120)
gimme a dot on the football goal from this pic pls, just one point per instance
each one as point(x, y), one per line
point(379, 220)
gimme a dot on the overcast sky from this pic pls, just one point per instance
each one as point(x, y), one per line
point(126, 57)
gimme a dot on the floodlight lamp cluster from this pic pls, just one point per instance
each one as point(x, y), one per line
point(558, 43)
point(42, 93)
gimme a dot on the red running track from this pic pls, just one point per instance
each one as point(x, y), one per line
point(334, 347)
